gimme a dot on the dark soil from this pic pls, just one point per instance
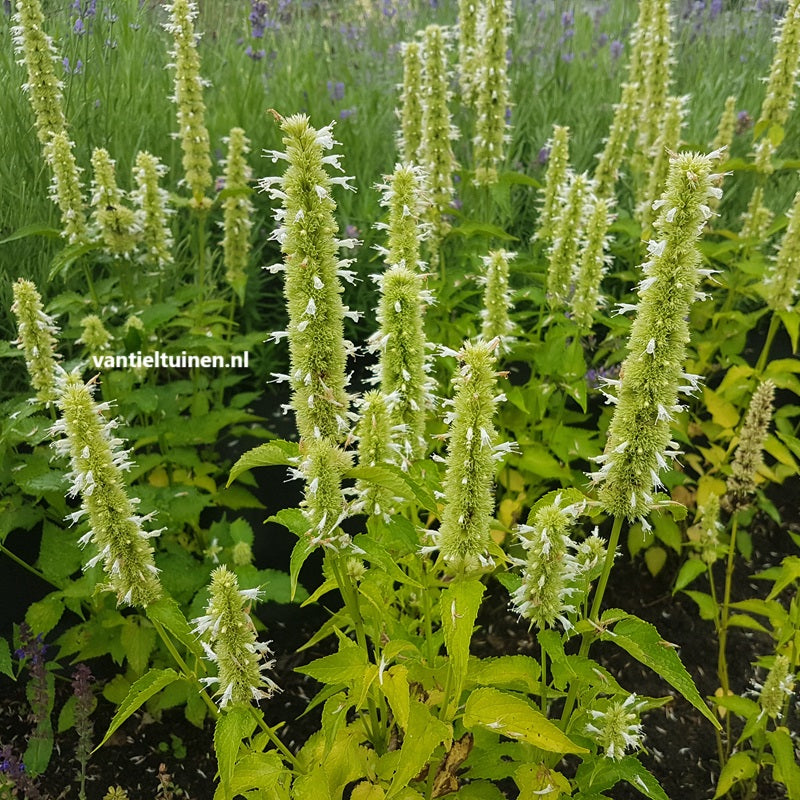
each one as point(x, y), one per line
point(680, 745)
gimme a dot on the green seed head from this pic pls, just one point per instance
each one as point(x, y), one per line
point(468, 56)
point(375, 448)
point(593, 263)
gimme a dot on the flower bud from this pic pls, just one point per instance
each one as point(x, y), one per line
point(37, 339)
point(374, 435)
point(609, 161)
point(468, 50)
point(94, 334)
point(229, 639)
point(97, 460)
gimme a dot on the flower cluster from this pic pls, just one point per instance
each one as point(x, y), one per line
point(593, 263)
point(238, 212)
point(492, 101)
point(436, 151)
point(66, 189)
point(463, 536)
point(496, 322)
point(115, 223)
point(403, 195)
point(97, 460)
point(152, 206)
point(37, 54)
point(375, 448)
point(409, 137)
point(554, 183)
point(608, 162)
point(724, 138)
point(652, 374)
point(550, 570)
point(229, 640)
point(748, 457)
point(616, 728)
point(307, 233)
point(704, 535)
point(188, 97)
point(563, 253)
point(778, 685)
point(94, 334)
point(37, 339)
point(781, 282)
point(467, 50)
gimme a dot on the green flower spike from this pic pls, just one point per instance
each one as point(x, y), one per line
point(94, 334)
point(66, 190)
point(37, 54)
point(493, 96)
point(593, 263)
point(402, 368)
point(555, 182)
point(463, 537)
point(756, 218)
point(778, 685)
point(668, 141)
point(616, 728)
point(496, 322)
point(609, 161)
point(152, 206)
point(115, 223)
point(409, 138)
point(37, 339)
point(238, 210)
point(97, 461)
point(748, 457)
point(724, 137)
point(563, 253)
point(317, 348)
point(229, 639)
point(550, 569)
point(467, 50)
point(781, 283)
point(188, 98)
point(704, 535)
point(375, 448)
point(436, 151)
point(652, 375)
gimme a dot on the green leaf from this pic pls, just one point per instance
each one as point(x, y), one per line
point(395, 686)
point(165, 611)
point(644, 643)
point(722, 412)
point(59, 553)
point(515, 718)
point(271, 454)
point(140, 692)
point(346, 666)
point(301, 551)
point(423, 734)
point(655, 558)
point(39, 749)
point(44, 615)
point(469, 228)
point(786, 770)
point(377, 554)
point(519, 178)
point(35, 229)
point(791, 321)
point(138, 642)
point(603, 773)
point(260, 771)
point(512, 672)
point(740, 767)
point(232, 727)
point(459, 605)
point(5, 659)
point(788, 573)
point(68, 256)
point(690, 571)
point(705, 603)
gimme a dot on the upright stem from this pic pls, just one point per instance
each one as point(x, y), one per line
point(722, 659)
point(201, 250)
point(543, 681)
point(773, 329)
point(25, 565)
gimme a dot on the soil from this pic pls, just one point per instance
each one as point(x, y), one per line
point(680, 747)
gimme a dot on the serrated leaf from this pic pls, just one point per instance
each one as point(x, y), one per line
point(641, 640)
point(377, 554)
point(257, 771)
point(423, 734)
point(395, 686)
point(722, 412)
point(140, 692)
point(515, 718)
point(688, 572)
point(59, 553)
point(39, 749)
point(786, 769)
point(5, 659)
point(512, 672)
point(44, 614)
point(740, 767)
point(603, 773)
point(167, 612)
point(138, 642)
point(343, 667)
point(537, 781)
point(232, 727)
point(270, 454)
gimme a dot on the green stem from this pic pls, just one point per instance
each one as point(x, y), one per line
point(543, 681)
point(274, 738)
point(25, 565)
point(722, 659)
point(713, 590)
point(773, 329)
point(90, 283)
point(201, 250)
point(426, 610)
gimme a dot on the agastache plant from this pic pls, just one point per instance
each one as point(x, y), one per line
point(495, 320)
point(66, 189)
point(616, 144)
point(463, 537)
point(229, 639)
point(375, 448)
point(467, 49)
point(781, 281)
point(238, 212)
point(37, 339)
point(724, 138)
point(554, 184)
point(114, 223)
point(436, 151)
point(307, 233)
point(616, 727)
point(593, 263)
point(152, 206)
point(639, 443)
point(409, 138)
point(37, 54)
point(97, 460)
point(493, 95)
point(188, 98)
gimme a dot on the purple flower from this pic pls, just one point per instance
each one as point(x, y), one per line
point(602, 40)
point(716, 8)
point(345, 113)
point(567, 19)
point(456, 204)
point(352, 232)
point(743, 122)
point(544, 156)
point(567, 57)
point(616, 48)
point(256, 55)
point(336, 91)
point(78, 27)
point(508, 114)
